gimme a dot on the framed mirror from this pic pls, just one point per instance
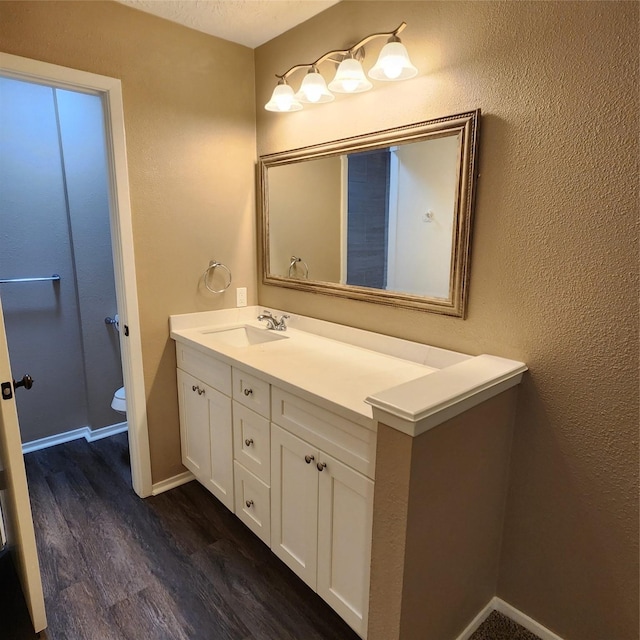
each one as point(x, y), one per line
point(383, 217)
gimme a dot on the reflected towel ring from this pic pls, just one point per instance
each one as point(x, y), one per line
point(212, 267)
point(292, 264)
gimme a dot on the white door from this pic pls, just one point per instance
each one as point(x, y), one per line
point(345, 518)
point(14, 496)
point(294, 503)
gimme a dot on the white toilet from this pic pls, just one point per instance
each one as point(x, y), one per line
point(119, 402)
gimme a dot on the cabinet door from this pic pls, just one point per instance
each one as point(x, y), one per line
point(345, 514)
point(194, 432)
point(294, 503)
point(206, 436)
point(220, 480)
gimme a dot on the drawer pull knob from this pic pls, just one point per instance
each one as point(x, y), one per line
point(194, 388)
point(249, 504)
point(200, 391)
point(248, 442)
point(321, 465)
point(309, 459)
point(248, 392)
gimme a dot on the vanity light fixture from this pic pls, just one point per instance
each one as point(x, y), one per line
point(393, 64)
point(283, 98)
point(314, 88)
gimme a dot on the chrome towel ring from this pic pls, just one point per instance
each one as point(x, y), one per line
point(213, 265)
point(294, 262)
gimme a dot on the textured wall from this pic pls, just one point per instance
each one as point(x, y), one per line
point(189, 118)
point(554, 263)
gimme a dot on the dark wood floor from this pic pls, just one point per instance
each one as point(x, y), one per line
point(177, 566)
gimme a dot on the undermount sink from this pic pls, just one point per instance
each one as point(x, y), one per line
point(244, 336)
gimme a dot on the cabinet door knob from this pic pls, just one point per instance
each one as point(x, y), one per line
point(248, 392)
point(249, 504)
point(194, 388)
point(309, 459)
point(200, 391)
point(321, 466)
point(248, 442)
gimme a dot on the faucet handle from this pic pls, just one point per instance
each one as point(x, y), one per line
point(281, 325)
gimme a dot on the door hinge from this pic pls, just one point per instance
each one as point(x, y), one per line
point(7, 390)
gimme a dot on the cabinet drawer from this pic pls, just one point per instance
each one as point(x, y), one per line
point(251, 392)
point(253, 504)
point(251, 441)
point(213, 372)
point(347, 441)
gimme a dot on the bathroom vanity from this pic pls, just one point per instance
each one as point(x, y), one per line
point(285, 427)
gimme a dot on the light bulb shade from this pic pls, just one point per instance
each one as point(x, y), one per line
point(283, 99)
point(314, 89)
point(393, 63)
point(350, 78)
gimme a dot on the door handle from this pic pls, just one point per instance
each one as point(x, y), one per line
point(26, 382)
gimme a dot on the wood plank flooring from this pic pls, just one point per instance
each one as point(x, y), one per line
point(177, 566)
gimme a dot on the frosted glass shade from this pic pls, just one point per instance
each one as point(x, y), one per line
point(283, 99)
point(350, 78)
point(393, 63)
point(314, 89)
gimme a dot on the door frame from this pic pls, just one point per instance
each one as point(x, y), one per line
point(110, 91)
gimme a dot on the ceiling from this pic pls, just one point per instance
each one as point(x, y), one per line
point(247, 22)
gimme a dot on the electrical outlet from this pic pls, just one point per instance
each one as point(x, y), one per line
point(241, 297)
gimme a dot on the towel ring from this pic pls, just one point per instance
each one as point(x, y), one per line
point(295, 261)
point(212, 267)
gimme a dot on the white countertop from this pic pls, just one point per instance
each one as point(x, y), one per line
point(359, 374)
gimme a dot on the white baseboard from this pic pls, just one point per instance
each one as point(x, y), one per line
point(172, 483)
point(75, 434)
point(477, 621)
point(522, 619)
point(496, 604)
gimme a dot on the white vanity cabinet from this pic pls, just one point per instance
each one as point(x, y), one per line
point(299, 476)
point(293, 444)
point(205, 422)
point(220, 404)
point(321, 508)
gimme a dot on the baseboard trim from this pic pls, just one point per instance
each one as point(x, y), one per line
point(472, 627)
point(496, 604)
point(172, 483)
point(75, 434)
point(523, 619)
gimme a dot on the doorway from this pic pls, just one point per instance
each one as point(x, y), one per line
point(108, 92)
point(56, 265)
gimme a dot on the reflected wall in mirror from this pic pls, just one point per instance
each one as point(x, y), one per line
point(384, 217)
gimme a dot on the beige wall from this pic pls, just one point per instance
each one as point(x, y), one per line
point(189, 118)
point(554, 264)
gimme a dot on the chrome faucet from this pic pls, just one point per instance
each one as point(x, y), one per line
point(273, 322)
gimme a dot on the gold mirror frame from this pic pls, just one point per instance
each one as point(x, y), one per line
point(465, 124)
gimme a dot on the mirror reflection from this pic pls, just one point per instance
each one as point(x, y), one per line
point(384, 218)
